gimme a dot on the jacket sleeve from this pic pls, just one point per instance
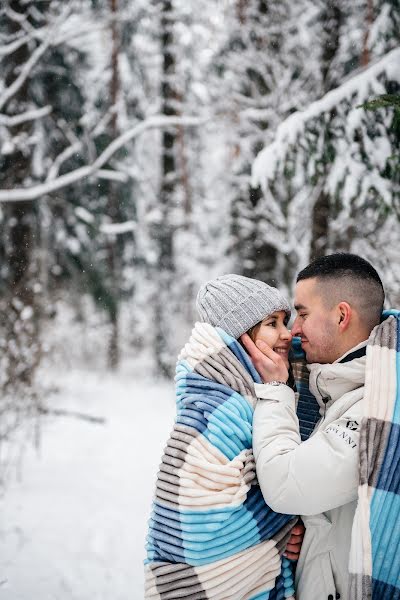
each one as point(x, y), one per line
point(303, 478)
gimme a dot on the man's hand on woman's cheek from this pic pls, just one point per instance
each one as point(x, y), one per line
point(270, 366)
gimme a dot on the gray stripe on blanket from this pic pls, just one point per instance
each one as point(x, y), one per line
point(167, 486)
point(374, 437)
point(385, 334)
point(171, 578)
point(360, 587)
point(174, 457)
point(224, 368)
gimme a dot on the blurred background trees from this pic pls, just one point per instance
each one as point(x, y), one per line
point(128, 134)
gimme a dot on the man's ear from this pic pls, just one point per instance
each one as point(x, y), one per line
point(344, 314)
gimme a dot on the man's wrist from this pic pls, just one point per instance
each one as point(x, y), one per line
point(281, 392)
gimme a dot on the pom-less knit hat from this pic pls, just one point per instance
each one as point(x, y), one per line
point(236, 303)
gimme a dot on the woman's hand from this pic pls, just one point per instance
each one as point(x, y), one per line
point(270, 366)
point(293, 547)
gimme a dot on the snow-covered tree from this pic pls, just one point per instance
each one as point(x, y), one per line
point(265, 71)
point(336, 148)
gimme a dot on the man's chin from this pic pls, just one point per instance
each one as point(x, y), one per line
point(312, 359)
point(309, 357)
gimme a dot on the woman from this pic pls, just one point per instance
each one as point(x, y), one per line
point(211, 535)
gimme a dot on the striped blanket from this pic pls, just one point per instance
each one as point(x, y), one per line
point(211, 535)
point(375, 546)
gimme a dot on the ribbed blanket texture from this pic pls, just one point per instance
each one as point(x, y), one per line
point(211, 535)
point(375, 545)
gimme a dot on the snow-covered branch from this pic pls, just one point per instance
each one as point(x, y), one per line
point(118, 228)
point(112, 175)
point(24, 74)
point(29, 115)
point(358, 86)
point(26, 70)
point(36, 191)
point(13, 46)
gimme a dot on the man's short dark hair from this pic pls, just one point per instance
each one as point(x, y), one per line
point(354, 280)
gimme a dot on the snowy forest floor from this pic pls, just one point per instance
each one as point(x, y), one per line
point(72, 527)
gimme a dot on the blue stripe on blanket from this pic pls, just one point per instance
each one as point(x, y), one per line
point(385, 533)
point(284, 583)
point(382, 590)
point(222, 415)
point(240, 406)
point(389, 475)
point(247, 525)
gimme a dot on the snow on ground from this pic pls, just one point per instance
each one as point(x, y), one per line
point(73, 528)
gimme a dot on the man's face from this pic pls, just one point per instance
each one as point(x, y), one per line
point(315, 323)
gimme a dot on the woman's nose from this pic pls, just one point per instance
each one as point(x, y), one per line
point(286, 334)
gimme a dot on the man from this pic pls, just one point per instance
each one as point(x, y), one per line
point(339, 300)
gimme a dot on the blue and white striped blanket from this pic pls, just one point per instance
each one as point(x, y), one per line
point(211, 535)
point(375, 545)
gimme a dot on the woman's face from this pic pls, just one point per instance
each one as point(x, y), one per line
point(273, 331)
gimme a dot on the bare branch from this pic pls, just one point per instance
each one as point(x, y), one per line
point(35, 192)
point(60, 412)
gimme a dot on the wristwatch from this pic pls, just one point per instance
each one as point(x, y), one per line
point(276, 383)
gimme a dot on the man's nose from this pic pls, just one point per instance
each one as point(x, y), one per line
point(296, 328)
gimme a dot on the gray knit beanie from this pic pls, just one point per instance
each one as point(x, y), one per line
point(236, 303)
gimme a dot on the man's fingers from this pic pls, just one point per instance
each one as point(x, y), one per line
point(291, 556)
point(249, 345)
point(252, 348)
point(293, 547)
point(298, 529)
point(266, 350)
point(295, 539)
point(269, 364)
point(259, 349)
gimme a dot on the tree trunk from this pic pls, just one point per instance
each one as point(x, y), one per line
point(369, 19)
point(332, 18)
point(165, 232)
point(320, 226)
point(21, 216)
point(113, 209)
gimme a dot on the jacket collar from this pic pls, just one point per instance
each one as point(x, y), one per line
point(329, 382)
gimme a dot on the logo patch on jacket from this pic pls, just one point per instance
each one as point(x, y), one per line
point(353, 425)
point(342, 432)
